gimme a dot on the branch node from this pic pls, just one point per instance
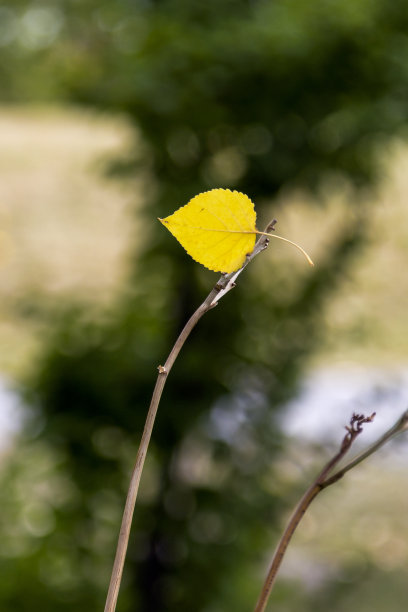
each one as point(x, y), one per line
point(162, 369)
point(271, 226)
point(355, 428)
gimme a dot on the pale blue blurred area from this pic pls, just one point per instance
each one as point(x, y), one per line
point(11, 414)
point(328, 396)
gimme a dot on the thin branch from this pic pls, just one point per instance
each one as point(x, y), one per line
point(320, 482)
point(400, 426)
point(223, 286)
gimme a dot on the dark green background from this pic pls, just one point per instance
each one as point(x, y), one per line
point(251, 95)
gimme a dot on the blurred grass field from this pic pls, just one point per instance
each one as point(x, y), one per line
point(366, 320)
point(65, 227)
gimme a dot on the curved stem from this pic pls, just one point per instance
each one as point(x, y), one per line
point(280, 551)
point(293, 522)
point(223, 286)
point(141, 455)
point(320, 482)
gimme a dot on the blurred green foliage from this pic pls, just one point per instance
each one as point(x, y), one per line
point(249, 95)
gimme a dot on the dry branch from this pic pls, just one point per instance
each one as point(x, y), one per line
point(324, 479)
point(223, 286)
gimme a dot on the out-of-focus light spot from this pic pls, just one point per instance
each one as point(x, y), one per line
point(8, 26)
point(108, 441)
point(39, 27)
point(195, 465)
point(106, 17)
point(392, 554)
point(333, 131)
point(106, 506)
point(38, 519)
point(16, 542)
point(59, 571)
point(130, 34)
point(225, 167)
point(206, 527)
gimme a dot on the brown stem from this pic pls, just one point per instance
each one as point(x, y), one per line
point(141, 455)
point(319, 483)
point(225, 284)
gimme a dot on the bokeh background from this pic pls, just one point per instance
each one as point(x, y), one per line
point(114, 113)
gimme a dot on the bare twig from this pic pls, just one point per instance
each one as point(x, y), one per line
point(400, 426)
point(322, 481)
point(223, 286)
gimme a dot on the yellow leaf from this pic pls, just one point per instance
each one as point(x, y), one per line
point(217, 228)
